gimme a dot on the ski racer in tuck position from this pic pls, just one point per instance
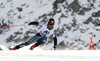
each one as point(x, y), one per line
point(41, 37)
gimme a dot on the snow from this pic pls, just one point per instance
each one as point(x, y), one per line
point(38, 54)
point(53, 55)
point(24, 54)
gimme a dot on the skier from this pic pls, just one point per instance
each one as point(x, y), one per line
point(41, 37)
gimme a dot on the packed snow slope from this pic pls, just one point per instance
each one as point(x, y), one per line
point(75, 21)
point(39, 54)
point(49, 56)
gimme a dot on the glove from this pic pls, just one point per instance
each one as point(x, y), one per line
point(2, 27)
point(54, 47)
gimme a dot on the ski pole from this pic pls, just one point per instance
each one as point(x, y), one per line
point(14, 26)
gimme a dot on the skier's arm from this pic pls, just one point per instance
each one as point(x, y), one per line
point(36, 23)
point(55, 39)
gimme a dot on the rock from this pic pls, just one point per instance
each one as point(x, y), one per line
point(1, 31)
point(96, 14)
point(62, 45)
point(74, 22)
point(80, 48)
point(82, 30)
point(9, 39)
point(56, 3)
point(18, 33)
point(0, 48)
point(19, 9)
point(96, 22)
point(81, 12)
point(63, 16)
point(60, 31)
point(75, 6)
point(91, 1)
point(86, 9)
point(99, 13)
point(55, 6)
point(9, 0)
point(88, 20)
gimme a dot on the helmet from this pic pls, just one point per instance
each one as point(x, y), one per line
point(51, 21)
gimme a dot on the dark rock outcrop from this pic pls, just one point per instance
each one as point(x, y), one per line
point(75, 6)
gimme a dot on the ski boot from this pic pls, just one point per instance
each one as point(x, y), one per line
point(13, 48)
point(32, 47)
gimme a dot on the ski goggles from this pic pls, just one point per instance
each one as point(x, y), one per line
point(51, 24)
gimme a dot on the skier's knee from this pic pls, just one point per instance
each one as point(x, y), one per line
point(43, 41)
point(26, 43)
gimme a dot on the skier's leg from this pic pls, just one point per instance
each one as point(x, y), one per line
point(32, 40)
point(19, 46)
point(35, 45)
point(40, 41)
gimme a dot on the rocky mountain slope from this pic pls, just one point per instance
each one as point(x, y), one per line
point(76, 21)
